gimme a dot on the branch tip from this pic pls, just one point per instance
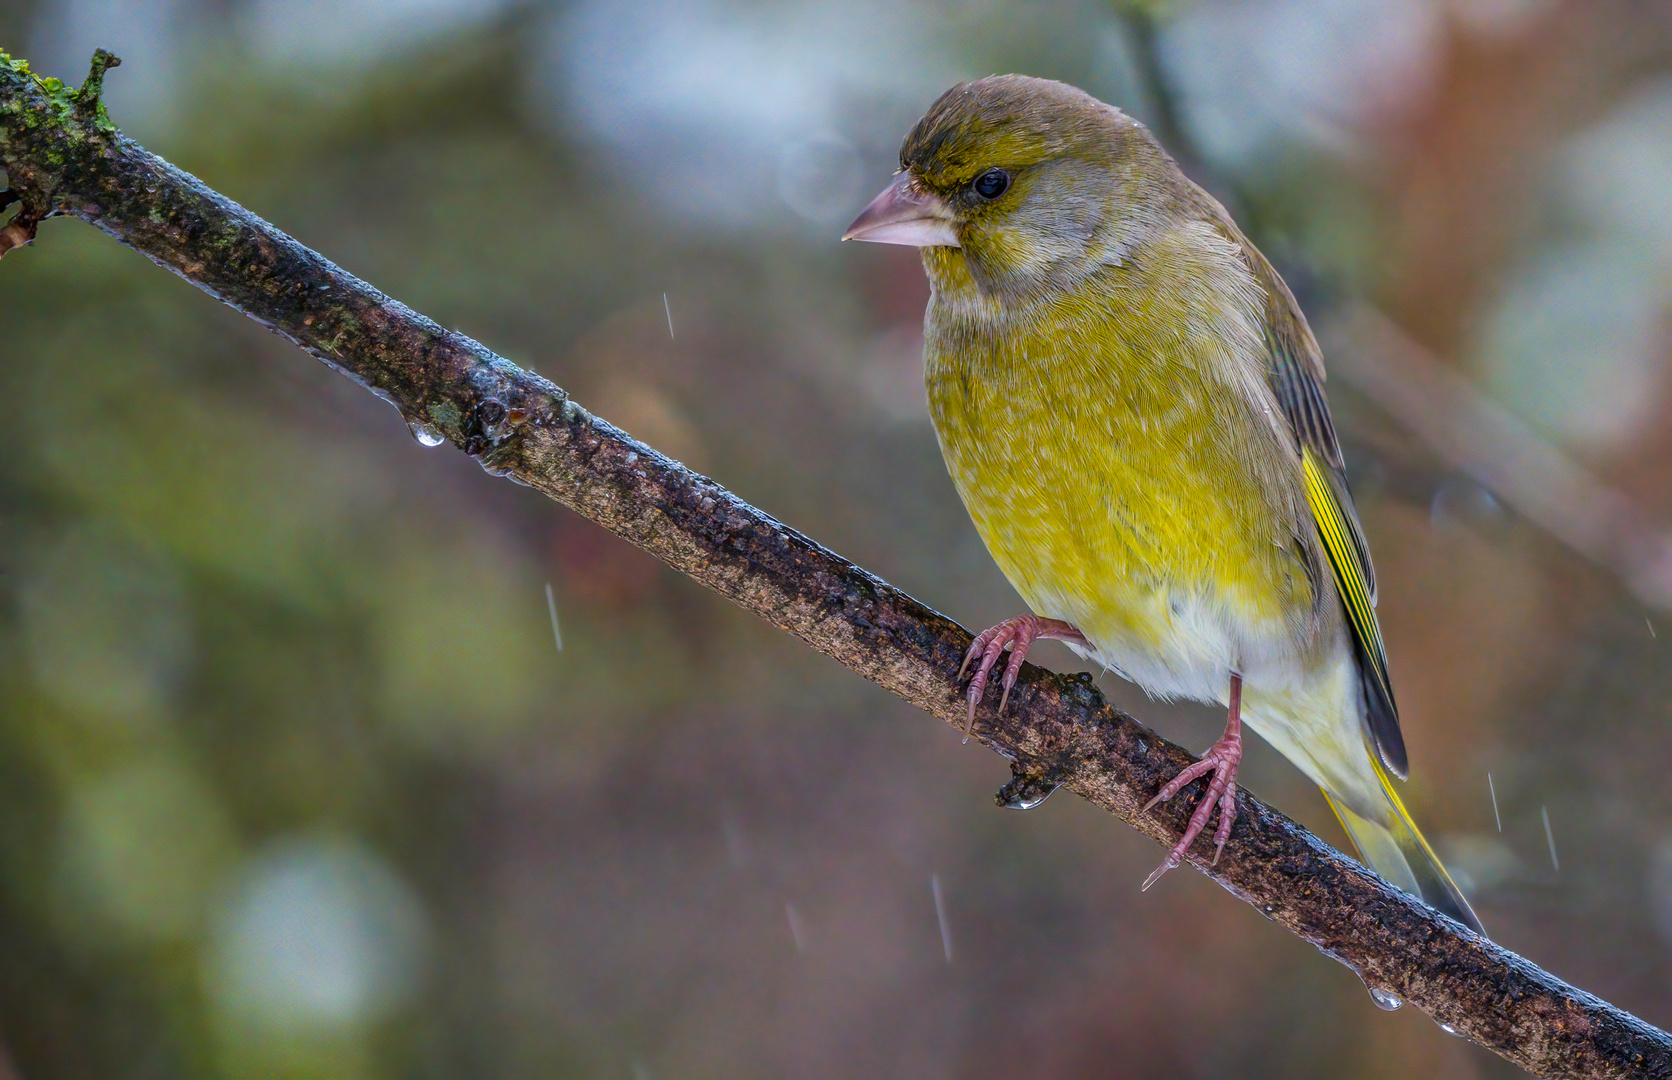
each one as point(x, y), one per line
point(87, 99)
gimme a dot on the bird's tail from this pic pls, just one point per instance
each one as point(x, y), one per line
point(1397, 851)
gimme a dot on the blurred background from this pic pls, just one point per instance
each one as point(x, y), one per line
point(296, 780)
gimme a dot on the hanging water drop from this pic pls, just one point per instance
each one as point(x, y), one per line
point(1386, 1000)
point(1025, 791)
point(426, 435)
point(1029, 800)
point(1449, 1030)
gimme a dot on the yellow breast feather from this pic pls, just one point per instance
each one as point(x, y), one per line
point(1131, 482)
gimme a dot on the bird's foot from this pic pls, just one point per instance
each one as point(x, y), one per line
point(1017, 635)
point(1221, 760)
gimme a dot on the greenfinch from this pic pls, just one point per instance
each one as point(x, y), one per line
point(1131, 406)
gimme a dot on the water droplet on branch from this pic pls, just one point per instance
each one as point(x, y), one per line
point(1025, 790)
point(1385, 999)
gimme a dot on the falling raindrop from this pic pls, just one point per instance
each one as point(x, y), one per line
point(426, 435)
point(1494, 793)
point(551, 606)
point(940, 914)
point(1550, 838)
point(794, 917)
point(1386, 1000)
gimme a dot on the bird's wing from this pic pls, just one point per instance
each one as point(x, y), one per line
point(1296, 373)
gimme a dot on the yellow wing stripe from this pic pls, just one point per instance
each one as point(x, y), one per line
point(1343, 556)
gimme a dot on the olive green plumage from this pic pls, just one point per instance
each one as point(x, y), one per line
point(1131, 406)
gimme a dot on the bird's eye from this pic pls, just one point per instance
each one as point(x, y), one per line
point(992, 183)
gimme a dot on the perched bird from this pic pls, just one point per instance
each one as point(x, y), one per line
point(1131, 406)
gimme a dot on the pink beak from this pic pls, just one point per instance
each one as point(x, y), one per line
point(904, 214)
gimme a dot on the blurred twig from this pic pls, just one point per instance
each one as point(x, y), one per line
point(62, 157)
point(1501, 453)
point(1140, 21)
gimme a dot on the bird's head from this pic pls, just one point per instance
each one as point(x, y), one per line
point(1018, 182)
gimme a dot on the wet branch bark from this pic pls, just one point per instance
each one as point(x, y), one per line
point(62, 156)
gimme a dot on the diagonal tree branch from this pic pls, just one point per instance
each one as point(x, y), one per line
point(62, 156)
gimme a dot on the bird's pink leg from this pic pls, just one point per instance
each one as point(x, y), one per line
point(1018, 635)
point(1222, 760)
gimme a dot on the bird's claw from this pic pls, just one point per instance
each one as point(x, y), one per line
point(1222, 761)
point(1017, 635)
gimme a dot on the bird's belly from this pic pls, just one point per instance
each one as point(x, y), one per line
point(1162, 546)
point(1124, 488)
point(1176, 641)
point(1176, 572)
